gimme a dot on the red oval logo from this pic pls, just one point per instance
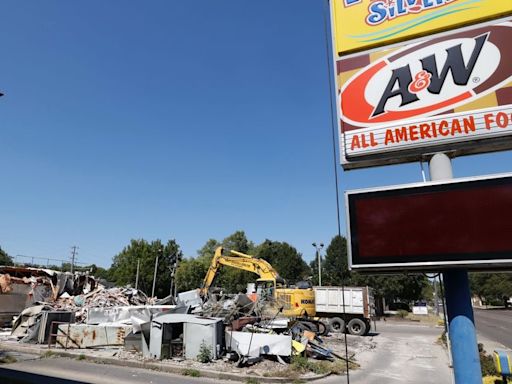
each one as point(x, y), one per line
point(429, 78)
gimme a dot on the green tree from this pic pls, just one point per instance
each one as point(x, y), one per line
point(238, 242)
point(400, 287)
point(335, 266)
point(191, 273)
point(207, 251)
point(491, 288)
point(233, 280)
point(100, 272)
point(5, 259)
point(285, 259)
point(124, 266)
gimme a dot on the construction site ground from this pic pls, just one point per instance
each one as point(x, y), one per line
point(398, 351)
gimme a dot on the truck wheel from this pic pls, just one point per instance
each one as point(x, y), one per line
point(357, 327)
point(337, 324)
point(323, 328)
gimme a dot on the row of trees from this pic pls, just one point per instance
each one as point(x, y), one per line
point(281, 255)
point(335, 271)
point(490, 287)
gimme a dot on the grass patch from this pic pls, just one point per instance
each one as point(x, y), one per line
point(301, 365)
point(252, 380)
point(442, 340)
point(48, 354)
point(81, 357)
point(7, 359)
point(191, 372)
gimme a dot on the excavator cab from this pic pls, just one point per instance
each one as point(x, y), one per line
point(266, 289)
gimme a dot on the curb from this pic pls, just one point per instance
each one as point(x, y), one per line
point(161, 367)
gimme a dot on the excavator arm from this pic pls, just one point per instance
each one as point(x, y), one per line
point(294, 302)
point(242, 261)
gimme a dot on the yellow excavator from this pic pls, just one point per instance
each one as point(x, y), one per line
point(296, 302)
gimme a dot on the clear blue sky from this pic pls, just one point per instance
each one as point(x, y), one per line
point(170, 119)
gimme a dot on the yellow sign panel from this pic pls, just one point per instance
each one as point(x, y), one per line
point(364, 24)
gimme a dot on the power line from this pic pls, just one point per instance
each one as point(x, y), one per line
point(35, 260)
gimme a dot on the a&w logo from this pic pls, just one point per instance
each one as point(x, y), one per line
point(429, 77)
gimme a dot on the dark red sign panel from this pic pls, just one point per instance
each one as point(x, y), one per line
point(465, 222)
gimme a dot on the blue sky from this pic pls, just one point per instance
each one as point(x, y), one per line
point(170, 119)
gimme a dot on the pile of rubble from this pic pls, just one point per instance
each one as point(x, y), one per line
point(99, 298)
point(22, 287)
point(77, 312)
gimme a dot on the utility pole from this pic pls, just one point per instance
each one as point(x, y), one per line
point(73, 255)
point(318, 249)
point(137, 275)
point(154, 277)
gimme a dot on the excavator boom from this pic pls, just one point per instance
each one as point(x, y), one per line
point(240, 261)
point(294, 301)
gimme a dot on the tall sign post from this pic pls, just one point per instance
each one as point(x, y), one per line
point(461, 323)
point(414, 78)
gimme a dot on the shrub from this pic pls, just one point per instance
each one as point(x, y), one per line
point(205, 353)
point(402, 313)
point(486, 362)
point(300, 364)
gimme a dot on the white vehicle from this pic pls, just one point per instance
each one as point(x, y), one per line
point(359, 308)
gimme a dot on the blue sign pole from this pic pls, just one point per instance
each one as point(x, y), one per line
point(461, 328)
point(461, 324)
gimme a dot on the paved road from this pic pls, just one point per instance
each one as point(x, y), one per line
point(68, 371)
point(495, 325)
point(402, 353)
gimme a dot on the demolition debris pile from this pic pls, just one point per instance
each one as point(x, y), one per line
point(75, 311)
point(99, 298)
point(22, 287)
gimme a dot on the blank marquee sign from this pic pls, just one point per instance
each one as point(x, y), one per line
point(462, 222)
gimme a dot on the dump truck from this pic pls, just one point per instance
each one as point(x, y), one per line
point(359, 308)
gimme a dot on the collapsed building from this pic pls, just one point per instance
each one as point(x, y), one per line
point(65, 310)
point(21, 287)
